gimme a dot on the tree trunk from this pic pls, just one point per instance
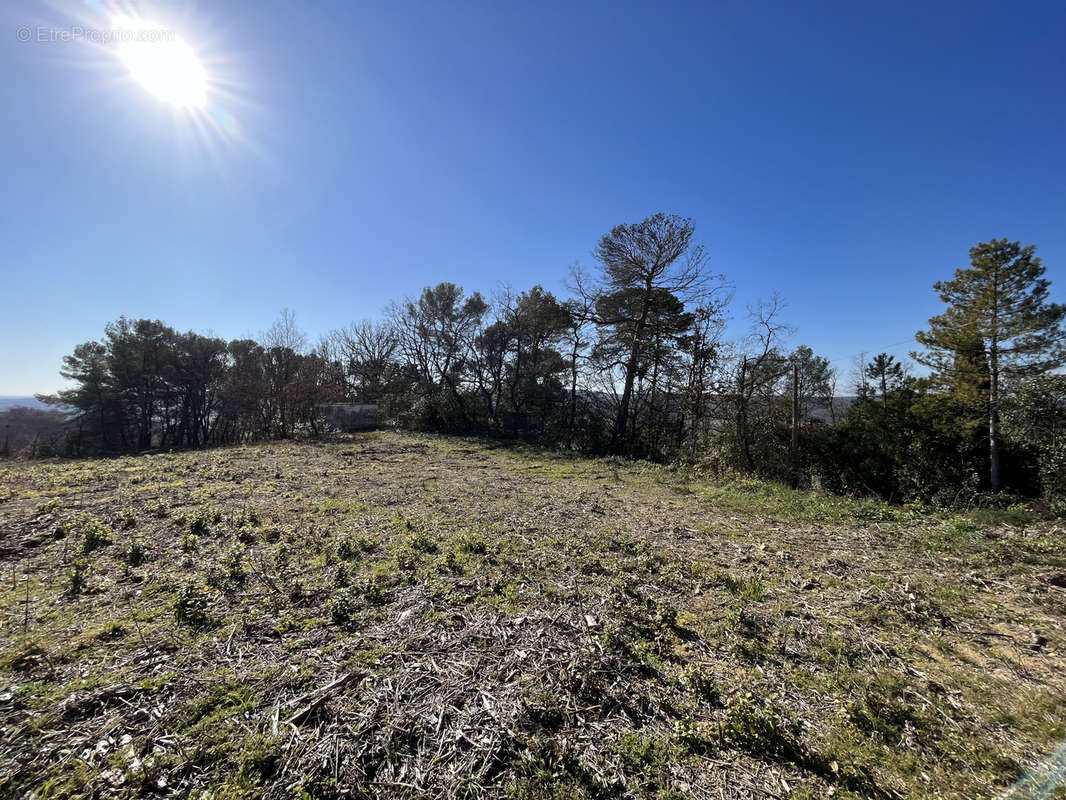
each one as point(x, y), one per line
point(993, 420)
point(621, 423)
point(742, 415)
point(993, 392)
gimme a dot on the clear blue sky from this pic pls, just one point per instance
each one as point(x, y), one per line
point(846, 154)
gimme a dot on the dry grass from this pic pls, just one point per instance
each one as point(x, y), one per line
point(409, 616)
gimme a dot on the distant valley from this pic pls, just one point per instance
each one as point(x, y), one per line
point(8, 401)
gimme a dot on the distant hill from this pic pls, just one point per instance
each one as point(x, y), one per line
point(12, 400)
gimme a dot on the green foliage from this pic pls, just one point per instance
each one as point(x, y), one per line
point(128, 517)
point(51, 506)
point(134, 552)
point(94, 534)
point(192, 604)
point(760, 725)
point(469, 542)
point(77, 575)
point(1035, 417)
point(344, 607)
point(998, 325)
point(158, 508)
point(352, 546)
point(702, 683)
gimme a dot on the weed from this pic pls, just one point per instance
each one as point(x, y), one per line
point(111, 630)
point(94, 535)
point(470, 542)
point(234, 563)
point(51, 506)
point(759, 725)
point(192, 603)
point(158, 508)
point(344, 607)
point(422, 542)
point(134, 552)
point(342, 576)
point(78, 575)
point(354, 546)
point(702, 683)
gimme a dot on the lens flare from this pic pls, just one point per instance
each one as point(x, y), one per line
point(162, 62)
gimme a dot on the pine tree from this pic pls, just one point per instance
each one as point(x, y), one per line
point(643, 263)
point(886, 373)
point(999, 305)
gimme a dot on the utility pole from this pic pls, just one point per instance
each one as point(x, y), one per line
point(794, 449)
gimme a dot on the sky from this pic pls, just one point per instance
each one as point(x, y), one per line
point(844, 154)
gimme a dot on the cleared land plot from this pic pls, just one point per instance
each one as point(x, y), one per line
point(410, 616)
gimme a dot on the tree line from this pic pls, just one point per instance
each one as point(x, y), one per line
point(633, 362)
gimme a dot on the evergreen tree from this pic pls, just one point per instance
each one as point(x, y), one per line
point(1001, 303)
point(642, 263)
point(886, 373)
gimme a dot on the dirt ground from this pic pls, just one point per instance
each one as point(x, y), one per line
point(399, 615)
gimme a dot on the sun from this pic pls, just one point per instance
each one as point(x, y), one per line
point(161, 61)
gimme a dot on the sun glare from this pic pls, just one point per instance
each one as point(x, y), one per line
point(161, 62)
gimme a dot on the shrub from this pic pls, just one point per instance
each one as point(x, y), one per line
point(77, 575)
point(759, 725)
point(134, 552)
point(158, 508)
point(192, 603)
point(94, 535)
point(470, 542)
point(344, 607)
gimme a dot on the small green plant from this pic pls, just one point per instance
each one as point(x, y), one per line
point(199, 525)
point(422, 542)
point(355, 545)
point(701, 683)
point(470, 542)
point(158, 508)
point(128, 517)
point(246, 535)
point(344, 607)
point(190, 543)
point(760, 725)
point(77, 575)
point(228, 569)
point(246, 518)
point(134, 552)
point(94, 535)
point(234, 562)
point(752, 588)
point(111, 630)
point(245, 523)
point(192, 603)
point(298, 591)
point(451, 562)
point(342, 576)
point(50, 506)
point(372, 591)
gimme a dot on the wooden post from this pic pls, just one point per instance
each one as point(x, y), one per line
point(794, 449)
